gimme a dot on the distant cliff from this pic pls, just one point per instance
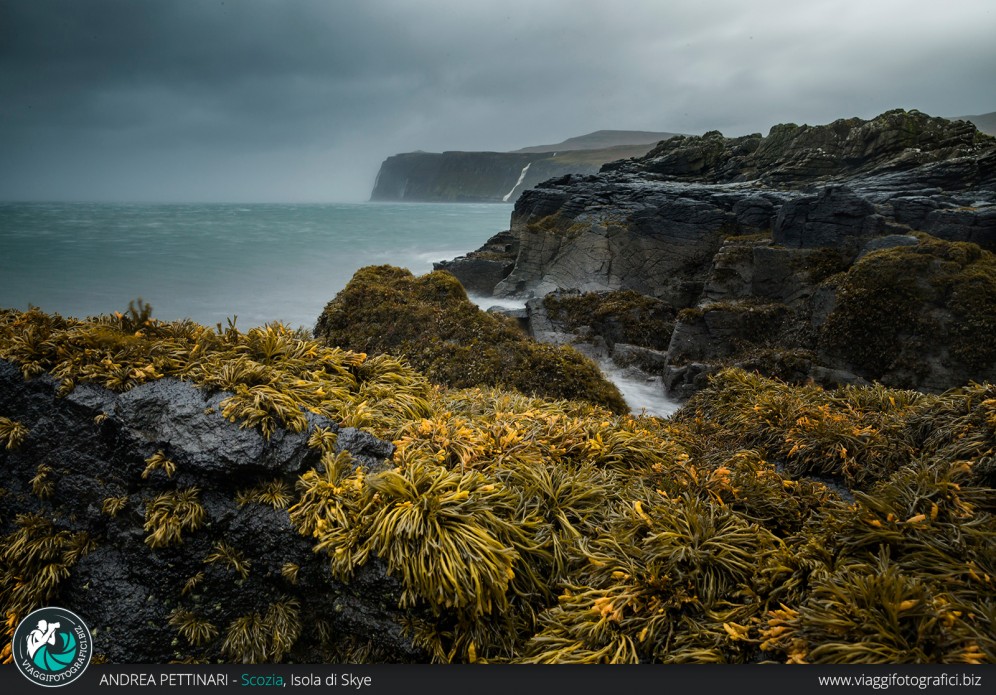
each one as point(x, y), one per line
point(475, 177)
point(464, 177)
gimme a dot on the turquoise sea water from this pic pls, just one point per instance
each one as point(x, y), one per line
point(208, 262)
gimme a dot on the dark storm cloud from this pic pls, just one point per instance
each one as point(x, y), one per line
point(283, 100)
point(142, 63)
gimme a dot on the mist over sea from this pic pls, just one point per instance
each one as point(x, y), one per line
point(212, 262)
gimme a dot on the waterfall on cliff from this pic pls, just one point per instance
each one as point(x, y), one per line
point(522, 177)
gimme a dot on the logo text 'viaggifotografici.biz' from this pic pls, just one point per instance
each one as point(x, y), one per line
point(52, 647)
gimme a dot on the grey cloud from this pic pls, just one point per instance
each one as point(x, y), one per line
point(267, 99)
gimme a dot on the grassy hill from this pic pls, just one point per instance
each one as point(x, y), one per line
point(603, 139)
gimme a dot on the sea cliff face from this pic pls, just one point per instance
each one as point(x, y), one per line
point(495, 177)
point(461, 177)
point(728, 232)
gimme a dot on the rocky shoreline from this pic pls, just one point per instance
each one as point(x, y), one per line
point(751, 241)
point(203, 496)
point(418, 482)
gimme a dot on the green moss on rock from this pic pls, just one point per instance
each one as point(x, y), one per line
point(430, 322)
point(822, 263)
point(896, 305)
point(620, 317)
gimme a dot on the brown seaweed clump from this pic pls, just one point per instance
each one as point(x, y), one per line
point(765, 522)
point(430, 322)
point(273, 375)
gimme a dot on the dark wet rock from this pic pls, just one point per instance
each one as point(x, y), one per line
point(682, 381)
point(185, 421)
point(749, 221)
point(95, 444)
point(650, 361)
point(543, 329)
point(373, 453)
point(836, 216)
point(479, 271)
point(622, 234)
point(976, 224)
point(719, 331)
point(478, 276)
point(756, 213)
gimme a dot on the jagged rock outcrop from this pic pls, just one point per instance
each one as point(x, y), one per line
point(479, 271)
point(625, 233)
point(94, 445)
point(745, 233)
point(790, 155)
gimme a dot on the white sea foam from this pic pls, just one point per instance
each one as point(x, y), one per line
point(488, 302)
point(642, 395)
point(431, 257)
point(417, 261)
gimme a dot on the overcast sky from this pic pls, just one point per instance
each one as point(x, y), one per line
point(293, 100)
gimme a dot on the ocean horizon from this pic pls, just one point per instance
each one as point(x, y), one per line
point(209, 262)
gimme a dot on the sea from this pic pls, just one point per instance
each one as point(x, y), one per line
point(247, 263)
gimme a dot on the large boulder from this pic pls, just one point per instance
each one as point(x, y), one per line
point(98, 466)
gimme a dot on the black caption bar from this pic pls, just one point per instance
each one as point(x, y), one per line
point(282, 679)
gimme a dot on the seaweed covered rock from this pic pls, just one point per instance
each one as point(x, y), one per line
point(919, 316)
point(911, 311)
point(625, 317)
point(430, 322)
point(362, 515)
point(149, 470)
